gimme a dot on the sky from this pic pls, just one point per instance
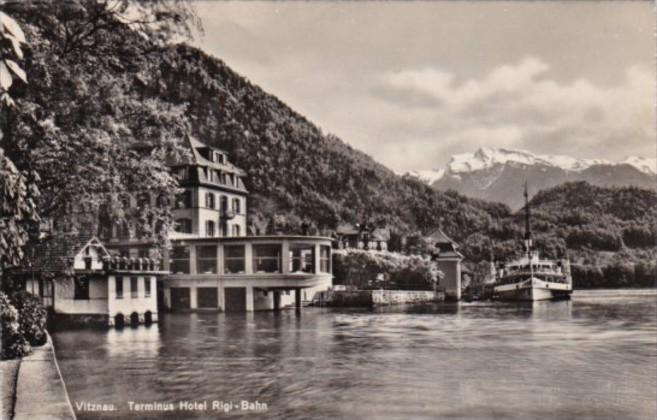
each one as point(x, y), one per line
point(412, 83)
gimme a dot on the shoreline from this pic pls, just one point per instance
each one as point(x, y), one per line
point(40, 390)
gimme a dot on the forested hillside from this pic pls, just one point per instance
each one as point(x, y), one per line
point(608, 233)
point(295, 170)
point(99, 87)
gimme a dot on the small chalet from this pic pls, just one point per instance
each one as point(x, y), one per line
point(449, 260)
point(76, 277)
point(362, 237)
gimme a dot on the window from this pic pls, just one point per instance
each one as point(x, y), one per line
point(81, 289)
point(324, 259)
point(180, 259)
point(206, 259)
point(209, 228)
point(147, 286)
point(224, 203)
point(234, 259)
point(184, 225)
point(302, 258)
point(267, 258)
point(182, 174)
point(119, 287)
point(88, 259)
point(236, 205)
point(184, 200)
point(134, 291)
point(209, 200)
point(236, 230)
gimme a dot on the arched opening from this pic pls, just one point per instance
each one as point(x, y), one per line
point(134, 319)
point(119, 320)
point(148, 318)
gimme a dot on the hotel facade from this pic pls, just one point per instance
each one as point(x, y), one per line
point(211, 265)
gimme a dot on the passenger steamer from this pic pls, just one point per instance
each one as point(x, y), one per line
point(531, 278)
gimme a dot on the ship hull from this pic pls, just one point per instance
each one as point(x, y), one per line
point(532, 290)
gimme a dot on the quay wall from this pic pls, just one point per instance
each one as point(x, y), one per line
point(40, 389)
point(367, 298)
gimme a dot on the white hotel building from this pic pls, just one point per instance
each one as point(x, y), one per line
point(212, 264)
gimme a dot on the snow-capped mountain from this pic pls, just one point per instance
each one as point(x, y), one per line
point(498, 174)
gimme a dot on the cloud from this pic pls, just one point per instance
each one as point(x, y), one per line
point(519, 105)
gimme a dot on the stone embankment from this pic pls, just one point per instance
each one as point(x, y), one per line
point(368, 298)
point(40, 389)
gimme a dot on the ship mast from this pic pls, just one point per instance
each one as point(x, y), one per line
point(528, 232)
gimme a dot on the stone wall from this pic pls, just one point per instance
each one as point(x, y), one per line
point(366, 298)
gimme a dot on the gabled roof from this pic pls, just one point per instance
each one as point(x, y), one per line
point(447, 247)
point(439, 237)
point(56, 254)
point(198, 159)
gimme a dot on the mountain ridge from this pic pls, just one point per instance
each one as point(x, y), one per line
point(497, 174)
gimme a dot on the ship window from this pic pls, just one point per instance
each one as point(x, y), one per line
point(206, 259)
point(234, 260)
point(267, 258)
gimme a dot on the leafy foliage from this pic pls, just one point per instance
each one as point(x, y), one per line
point(32, 317)
point(387, 270)
point(18, 191)
point(13, 343)
point(85, 126)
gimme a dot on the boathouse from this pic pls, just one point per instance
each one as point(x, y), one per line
point(76, 277)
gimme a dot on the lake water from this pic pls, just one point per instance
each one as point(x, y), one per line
point(594, 356)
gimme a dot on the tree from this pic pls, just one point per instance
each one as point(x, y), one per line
point(88, 126)
point(17, 192)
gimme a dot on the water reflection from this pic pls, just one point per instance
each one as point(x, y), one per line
point(139, 342)
point(594, 356)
